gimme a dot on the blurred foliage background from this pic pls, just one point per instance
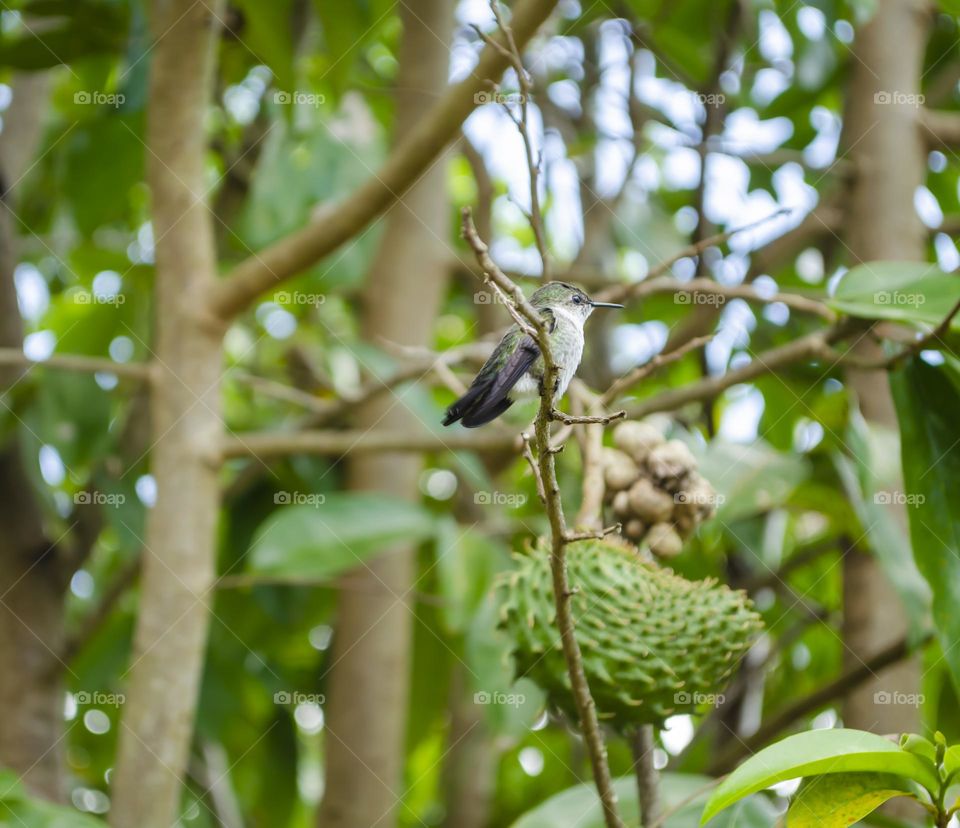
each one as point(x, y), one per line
point(661, 124)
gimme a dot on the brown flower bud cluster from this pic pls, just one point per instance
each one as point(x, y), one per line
point(654, 488)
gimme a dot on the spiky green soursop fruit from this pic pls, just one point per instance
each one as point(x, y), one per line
point(653, 643)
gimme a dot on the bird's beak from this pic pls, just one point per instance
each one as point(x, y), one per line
point(606, 305)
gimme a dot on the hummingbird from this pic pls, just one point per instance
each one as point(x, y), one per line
point(515, 368)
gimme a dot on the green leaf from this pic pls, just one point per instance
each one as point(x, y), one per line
point(900, 291)
point(298, 170)
point(465, 565)
point(338, 533)
point(268, 33)
point(818, 752)
point(89, 28)
point(868, 491)
point(11, 787)
point(348, 28)
point(19, 809)
point(915, 743)
point(579, 806)
point(951, 760)
point(751, 478)
point(510, 706)
point(927, 398)
point(103, 162)
point(841, 799)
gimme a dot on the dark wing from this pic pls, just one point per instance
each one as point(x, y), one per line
point(492, 400)
point(486, 399)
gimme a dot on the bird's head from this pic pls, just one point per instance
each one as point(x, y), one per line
point(567, 298)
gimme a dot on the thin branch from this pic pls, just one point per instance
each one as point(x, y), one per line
point(534, 468)
point(586, 708)
point(913, 348)
point(812, 345)
point(522, 123)
point(485, 190)
point(214, 771)
point(689, 291)
point(140, 371)
point(336, 223)
point(799, 560)
point(648, 783)
point(936, 334)
point(599, 419)
point(248, 580)
point(622, 293)
point(531, 321)
point(641, 35)
point(328, 410)
point(941, 129)
point(839, 687)
point(522, 312)
point(285, 393)
point(336, 442)
point(593, 486)
point(592, 534)
point(770, 255)
point(94, 620)
point(823, 221)
point(776, 158)
point(641, 372)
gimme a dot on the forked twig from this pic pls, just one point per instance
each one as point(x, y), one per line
point(543, 464)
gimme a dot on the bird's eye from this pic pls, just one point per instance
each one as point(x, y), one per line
point(577, 300)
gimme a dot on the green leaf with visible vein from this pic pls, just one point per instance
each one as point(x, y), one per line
point(337, 533)
point(841, 799)
point(928, 401)
point(899, 291)
point(815, 753)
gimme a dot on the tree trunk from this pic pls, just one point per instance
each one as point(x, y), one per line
point(32, 577)
point(886, 148)
point(470, 767)
point(31, 596)
point(369, 683)
point(179, 557)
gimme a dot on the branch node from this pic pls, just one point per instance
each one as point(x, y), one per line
point(600, 419)
point(591, 534)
